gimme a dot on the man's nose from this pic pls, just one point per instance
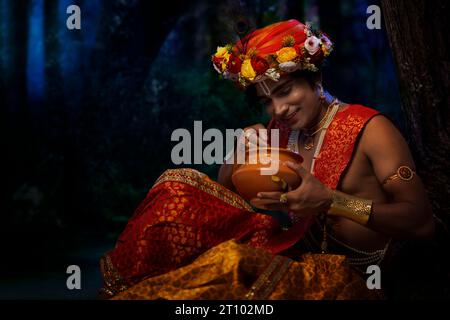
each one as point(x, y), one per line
point(280, 109)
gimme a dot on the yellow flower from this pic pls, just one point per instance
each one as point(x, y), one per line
point(223, 55)
point(224, 62)
point(222, 52)
point(286, 54)
point(326, 50)
point(247, 70)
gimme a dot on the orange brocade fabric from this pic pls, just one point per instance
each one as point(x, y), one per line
point(185, 214)
point(232, 271)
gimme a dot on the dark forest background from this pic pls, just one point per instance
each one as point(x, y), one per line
point(86, 115)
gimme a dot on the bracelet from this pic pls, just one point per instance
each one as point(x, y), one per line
point(404, 173)
point(351, 207)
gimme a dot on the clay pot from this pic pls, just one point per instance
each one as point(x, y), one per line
point(249, 180)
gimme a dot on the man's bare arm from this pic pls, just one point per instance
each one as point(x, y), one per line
point(408, 212)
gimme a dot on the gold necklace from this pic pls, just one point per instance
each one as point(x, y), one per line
point(308, 143)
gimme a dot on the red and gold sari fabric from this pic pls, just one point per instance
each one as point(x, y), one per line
point(232, 271)
point(185, 214)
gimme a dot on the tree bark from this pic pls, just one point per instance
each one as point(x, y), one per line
point(418, 35)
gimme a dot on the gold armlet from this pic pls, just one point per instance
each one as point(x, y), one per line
point(350, 207)
point(404, 173)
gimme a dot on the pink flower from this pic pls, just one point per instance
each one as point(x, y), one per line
point(312, 45)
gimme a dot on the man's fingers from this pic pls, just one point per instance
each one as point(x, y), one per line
point(263, 201)
point(259, 144)
point(268, 204)
point(275, 195)
point(255, 136)
point(257, 141)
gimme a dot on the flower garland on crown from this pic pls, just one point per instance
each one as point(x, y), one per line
point(250, 67)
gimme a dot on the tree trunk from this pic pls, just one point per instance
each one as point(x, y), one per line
point(418, 35)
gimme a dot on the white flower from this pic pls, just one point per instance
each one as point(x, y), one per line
point(311, 67)
point(289, 66)
point(308, 29)
point(312, 45)
point(273, 74)
point(217, 69)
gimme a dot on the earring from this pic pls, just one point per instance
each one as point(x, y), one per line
point(322, 97)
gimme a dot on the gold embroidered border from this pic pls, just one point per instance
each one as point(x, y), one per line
point(114, 283)
point(269, 278)
point(201, 181)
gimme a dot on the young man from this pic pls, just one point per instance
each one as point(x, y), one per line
point(373, 194)
point(193, 238)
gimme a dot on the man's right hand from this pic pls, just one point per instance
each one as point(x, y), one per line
point(250, 138)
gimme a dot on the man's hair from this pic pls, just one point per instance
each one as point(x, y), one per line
point(253, 101)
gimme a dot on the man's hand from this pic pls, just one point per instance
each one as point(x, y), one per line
point(250, 138)
point(311, 197)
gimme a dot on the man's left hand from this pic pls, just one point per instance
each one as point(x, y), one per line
point(311, 197)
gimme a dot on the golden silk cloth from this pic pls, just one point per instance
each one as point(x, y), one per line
point(185, 213)
point(232, 271)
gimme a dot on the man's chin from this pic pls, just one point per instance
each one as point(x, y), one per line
point(297, 126)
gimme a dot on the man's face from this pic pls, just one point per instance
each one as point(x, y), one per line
point(291, 101)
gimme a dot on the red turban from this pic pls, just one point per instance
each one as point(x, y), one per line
point(271, 51)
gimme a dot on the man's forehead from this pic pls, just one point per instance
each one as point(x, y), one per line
point(266, 87)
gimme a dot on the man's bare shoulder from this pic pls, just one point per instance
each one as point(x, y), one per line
point(380, 131)
point(380, 123)
point(385, 146)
